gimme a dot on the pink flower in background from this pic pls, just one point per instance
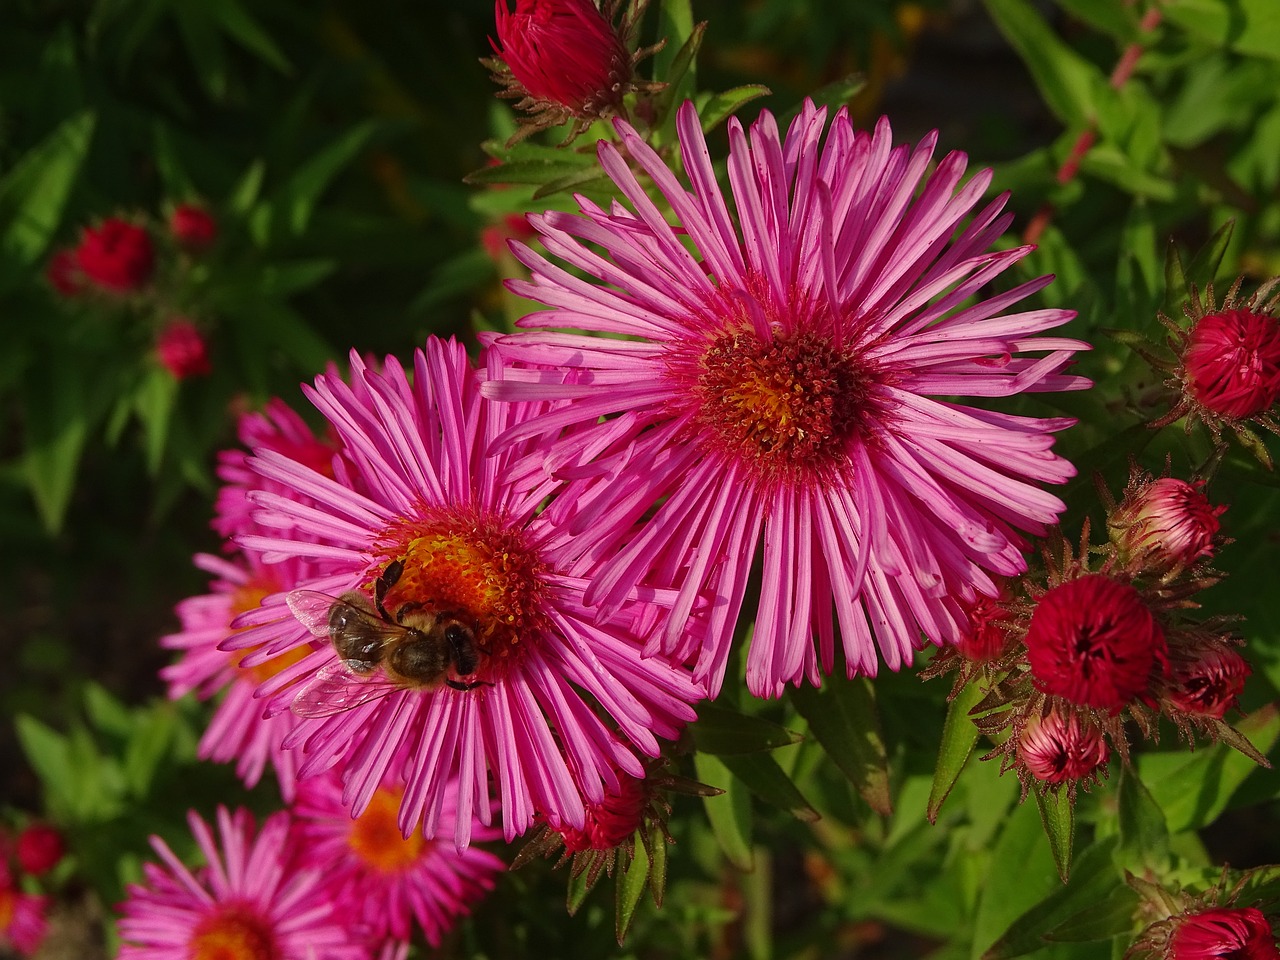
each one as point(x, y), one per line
point(531, 697)
point(238, 731)
point(23, 925)
point(193, 227)
point(39, 848)
point(63, 273)
point(116, 256)
point(251, 901)
point(383, 880)
point(1223, 933)
point(785, 392)
point(182, 350)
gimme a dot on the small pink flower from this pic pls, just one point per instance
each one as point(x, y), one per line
point(564, 52)
point(22, 917)
point(39, 848)
point(117, 256)
point(1059, 748)
point(1223, 933)
point(182, 350)
point(1232, 362)
point(1094, 642)
point(1165, 524)
point(193, 227)
point(63, 273)
point(1208, 684)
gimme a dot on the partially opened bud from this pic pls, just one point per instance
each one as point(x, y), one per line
point(1223, 933)
point(39, 848)
point(63, 273)
point(1232, 362)
point(193, 227)
point(1059, 748)
point(1164, 524)
point(116, 256)
point(1208, 684)
point(182, 350)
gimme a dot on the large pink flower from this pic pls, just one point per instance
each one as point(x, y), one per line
point(532, 697)
point(388, 882)
point(787, 377)
point(250, 901)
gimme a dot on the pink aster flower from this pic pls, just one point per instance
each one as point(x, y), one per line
point(486, 666)
point(382, 879)
point(785, 391)
point(251, 901)
point(238, 731)
point(22, 916)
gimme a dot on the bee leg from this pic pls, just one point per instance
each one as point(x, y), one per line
point(459, 685)
point(386, 580)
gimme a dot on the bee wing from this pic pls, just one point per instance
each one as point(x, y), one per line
point(337, 688)
point(311, 607)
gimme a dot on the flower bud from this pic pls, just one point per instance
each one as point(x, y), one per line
point(39, 849)
point(1059, 748)
point(181, 349)
point(984, 638)
point(1208, 684)
point(1232, 362)
point(193, 227)
point(1241, 933)
point(613, 820)
point(1094, 642)
point(63, 273)
point(117, 256)
point(1164, 524)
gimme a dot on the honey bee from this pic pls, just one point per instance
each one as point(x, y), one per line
point(417, 649)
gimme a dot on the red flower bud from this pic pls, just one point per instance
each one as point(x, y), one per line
point(565, 52)
point(63, 273)
point(1232, 362)
point(984, 639)
point(1060, 748)
point(613, 820)
point(181, 349)
point(39, 848)
point(117, 256)
point(1223, 933)
point(1165, 524)
point(1093, 642)
point(193, 227)
point(1208, 685)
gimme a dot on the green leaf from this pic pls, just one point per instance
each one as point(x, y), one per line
point(633, 877)
point(1117, 19)
point(843, 718)
point(1021, 874)
point(834, 95)
point(34, 193)
point(147, 747)
point(106, 713)
point(204, 46)
point(536, 170)
point(1111, 917)
point(244, 195)
point(958, 738)
point(1144, 835)
point(1066, 80)
point(56, 429)
point(1107, 162)
point(1057, 813)
point(656, 848)
point(154, 401)
point(728, 812)
point(47, 753)
point(679, 74)
point(283, 278)
point(675, 25)
point(586, 180)
point(577, 892)
point(237, 23)
point(1096, 880)
point(720, 730)
point(718, 107)
point(763, 777)
point(1250, 27)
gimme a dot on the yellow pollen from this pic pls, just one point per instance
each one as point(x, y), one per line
point(248, 596)
point(268, 669)
point(376, 840)
point(233, 932)
point(8, 905)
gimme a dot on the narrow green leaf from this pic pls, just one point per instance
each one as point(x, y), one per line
point(1250, 27)
point(585, 180)
point(1096, 880)
point(47, 753)
point(718, 107)
point(1144, 835)
point(1202, 268)
point(535, 171)
point(1020, 875)
point(656, 848)
point(834, 95)
point(106, 713)
point(843, 718)
point(1112, 916)
point(763, 777)
point(298, 198)
point(729, 812)
point(720, 730)
point(1058, 815)
point(679, 75)
point(958, 738)
point(675, 25)
point(248, 188)
point(577, 892)
point(237, 23)
point(283, 278)
point(632, 879)
point(1117, 19)
point(1066, 80)
point(34, 193)
point(147, 747)
point(154, 402)
point(204, 47)
point(56, 430)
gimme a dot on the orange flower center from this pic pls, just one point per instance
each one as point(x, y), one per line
point(8, 905)
point(233, 932)
point(375, 836)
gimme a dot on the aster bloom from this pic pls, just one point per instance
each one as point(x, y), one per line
point(181, 349)
point(194, 228)
point(117, 256)
point(783, 383)
point(22, 917)
point(388, 882)
point(39, 848)
point(1061, 747)
point(250, 902)
point(1227, 371)
point(1223, 933)
point(551, 703)
point(565, 59)
point(1094, 642)
point(1164, 525)
point(238, 731)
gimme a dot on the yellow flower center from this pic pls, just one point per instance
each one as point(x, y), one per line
point(375, 836)
point(233, 932)
point(248, 596)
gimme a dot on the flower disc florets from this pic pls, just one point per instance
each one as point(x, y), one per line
point(1094, 642)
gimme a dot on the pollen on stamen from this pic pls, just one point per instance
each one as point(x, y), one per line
point(787, 405)
point(375, 836)
point(233, 932)
point(475, 567)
